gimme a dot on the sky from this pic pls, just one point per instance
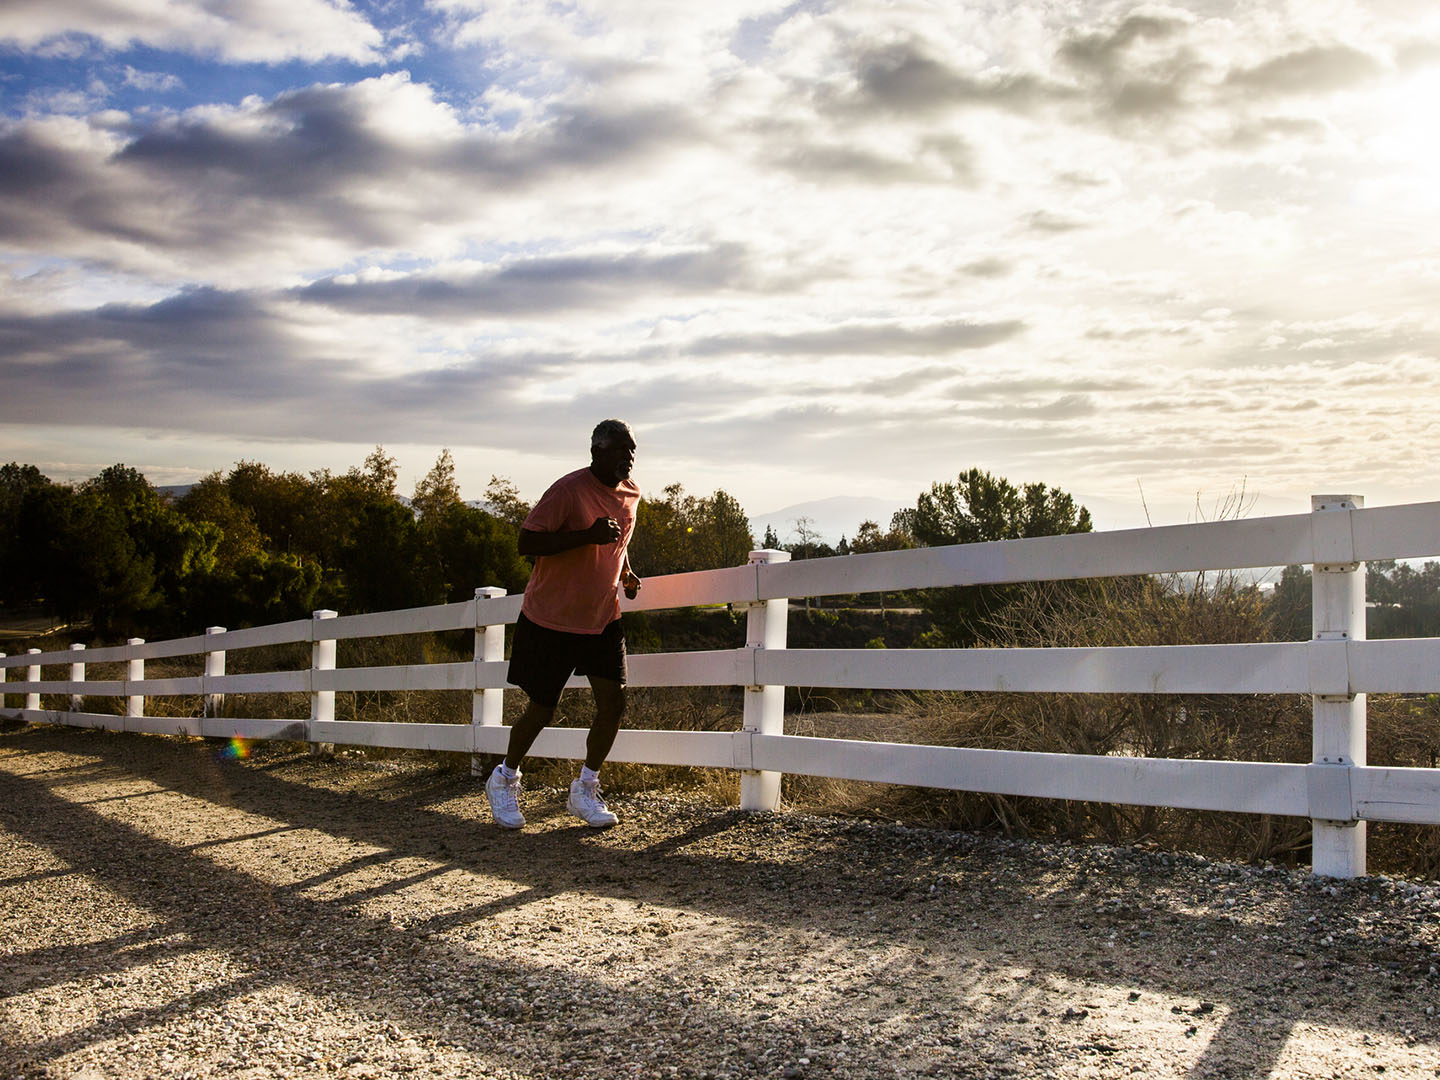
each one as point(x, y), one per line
point(1154, 255)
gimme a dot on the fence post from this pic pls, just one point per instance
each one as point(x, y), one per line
point(765, 628)
point(488, 707)
point(214, 669)
point(1337, 597)
point(134, 673)
point(322, 702)
point(32, 674)
point(77, 674)
point(4, 674)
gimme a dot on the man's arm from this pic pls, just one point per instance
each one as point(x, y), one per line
point(604, 531)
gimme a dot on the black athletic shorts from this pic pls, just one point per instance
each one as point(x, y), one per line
point(542, 660)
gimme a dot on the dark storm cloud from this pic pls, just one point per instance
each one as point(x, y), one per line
point(885, 339)
point(544, 284)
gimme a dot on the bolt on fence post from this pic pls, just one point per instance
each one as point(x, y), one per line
point(765, 628)
point(487, 709)
point(214, 669)
point(322, 702)
point(77, 674)
point(1337, 598)
point(32, 674)
point(134, 673)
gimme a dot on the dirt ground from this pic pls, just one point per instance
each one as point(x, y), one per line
point(172, 911)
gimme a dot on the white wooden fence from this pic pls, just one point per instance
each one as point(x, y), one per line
point(1337, 667)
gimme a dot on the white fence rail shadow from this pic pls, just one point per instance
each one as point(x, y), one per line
point(1338, 791)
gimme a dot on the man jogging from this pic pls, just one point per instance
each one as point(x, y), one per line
point(569, 621)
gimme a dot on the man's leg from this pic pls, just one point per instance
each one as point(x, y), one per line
point(523, 733)
point(585, 801)
point(609, 710)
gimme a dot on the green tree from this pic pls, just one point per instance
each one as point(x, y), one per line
point(869, 538)
point(209, 501)
point(503, 499)
point(436, 492)
point(282, 505)
point(23, 540)
point(468, 548)
point(680, 533)
point(1288, 607)
point(979, 507)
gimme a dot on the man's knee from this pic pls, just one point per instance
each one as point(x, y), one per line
point(538, 715)
point(609, 700)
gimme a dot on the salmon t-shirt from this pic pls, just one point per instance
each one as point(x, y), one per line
point(575, 591)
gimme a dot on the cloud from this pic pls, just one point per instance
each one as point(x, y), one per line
point(903, 78)
point(535, 285)
point(1109, 54)
point(931, 160)
point(162, 81)
point(313, 175)
point(872, 339)
point(1316, 70)
point(235, 31)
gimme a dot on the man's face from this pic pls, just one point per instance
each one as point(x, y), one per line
point(617, 459)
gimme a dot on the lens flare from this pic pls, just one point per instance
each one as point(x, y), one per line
point(236, 748)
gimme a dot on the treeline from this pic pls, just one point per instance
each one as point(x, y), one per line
point(255, 546)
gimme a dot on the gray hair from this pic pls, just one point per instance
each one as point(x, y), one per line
point(607, 431)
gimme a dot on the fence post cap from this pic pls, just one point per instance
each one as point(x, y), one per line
point(489, 592)
point(214, 629)
point(324, 613)
point(1336, 502)
point(77, 646)
point(769, 555)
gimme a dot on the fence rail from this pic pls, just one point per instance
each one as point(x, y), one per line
point(1338, 791)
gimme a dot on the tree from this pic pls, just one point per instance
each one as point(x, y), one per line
point(22, 543)
point(806, 537)
point(379, 472)
point(869, 538)
point(209, 501)
point(680, 533)
point(437, 490)
point(466, 548)
point(283, 505)
point(1288, 608)
point(771, 541)
point(503, 499)
point(978, 507)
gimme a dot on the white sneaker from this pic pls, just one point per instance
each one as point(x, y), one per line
point(504, 796)
point(585, 803)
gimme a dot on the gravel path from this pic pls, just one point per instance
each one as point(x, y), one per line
point(170, 913)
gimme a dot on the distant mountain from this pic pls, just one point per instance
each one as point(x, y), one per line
point(831, 518)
